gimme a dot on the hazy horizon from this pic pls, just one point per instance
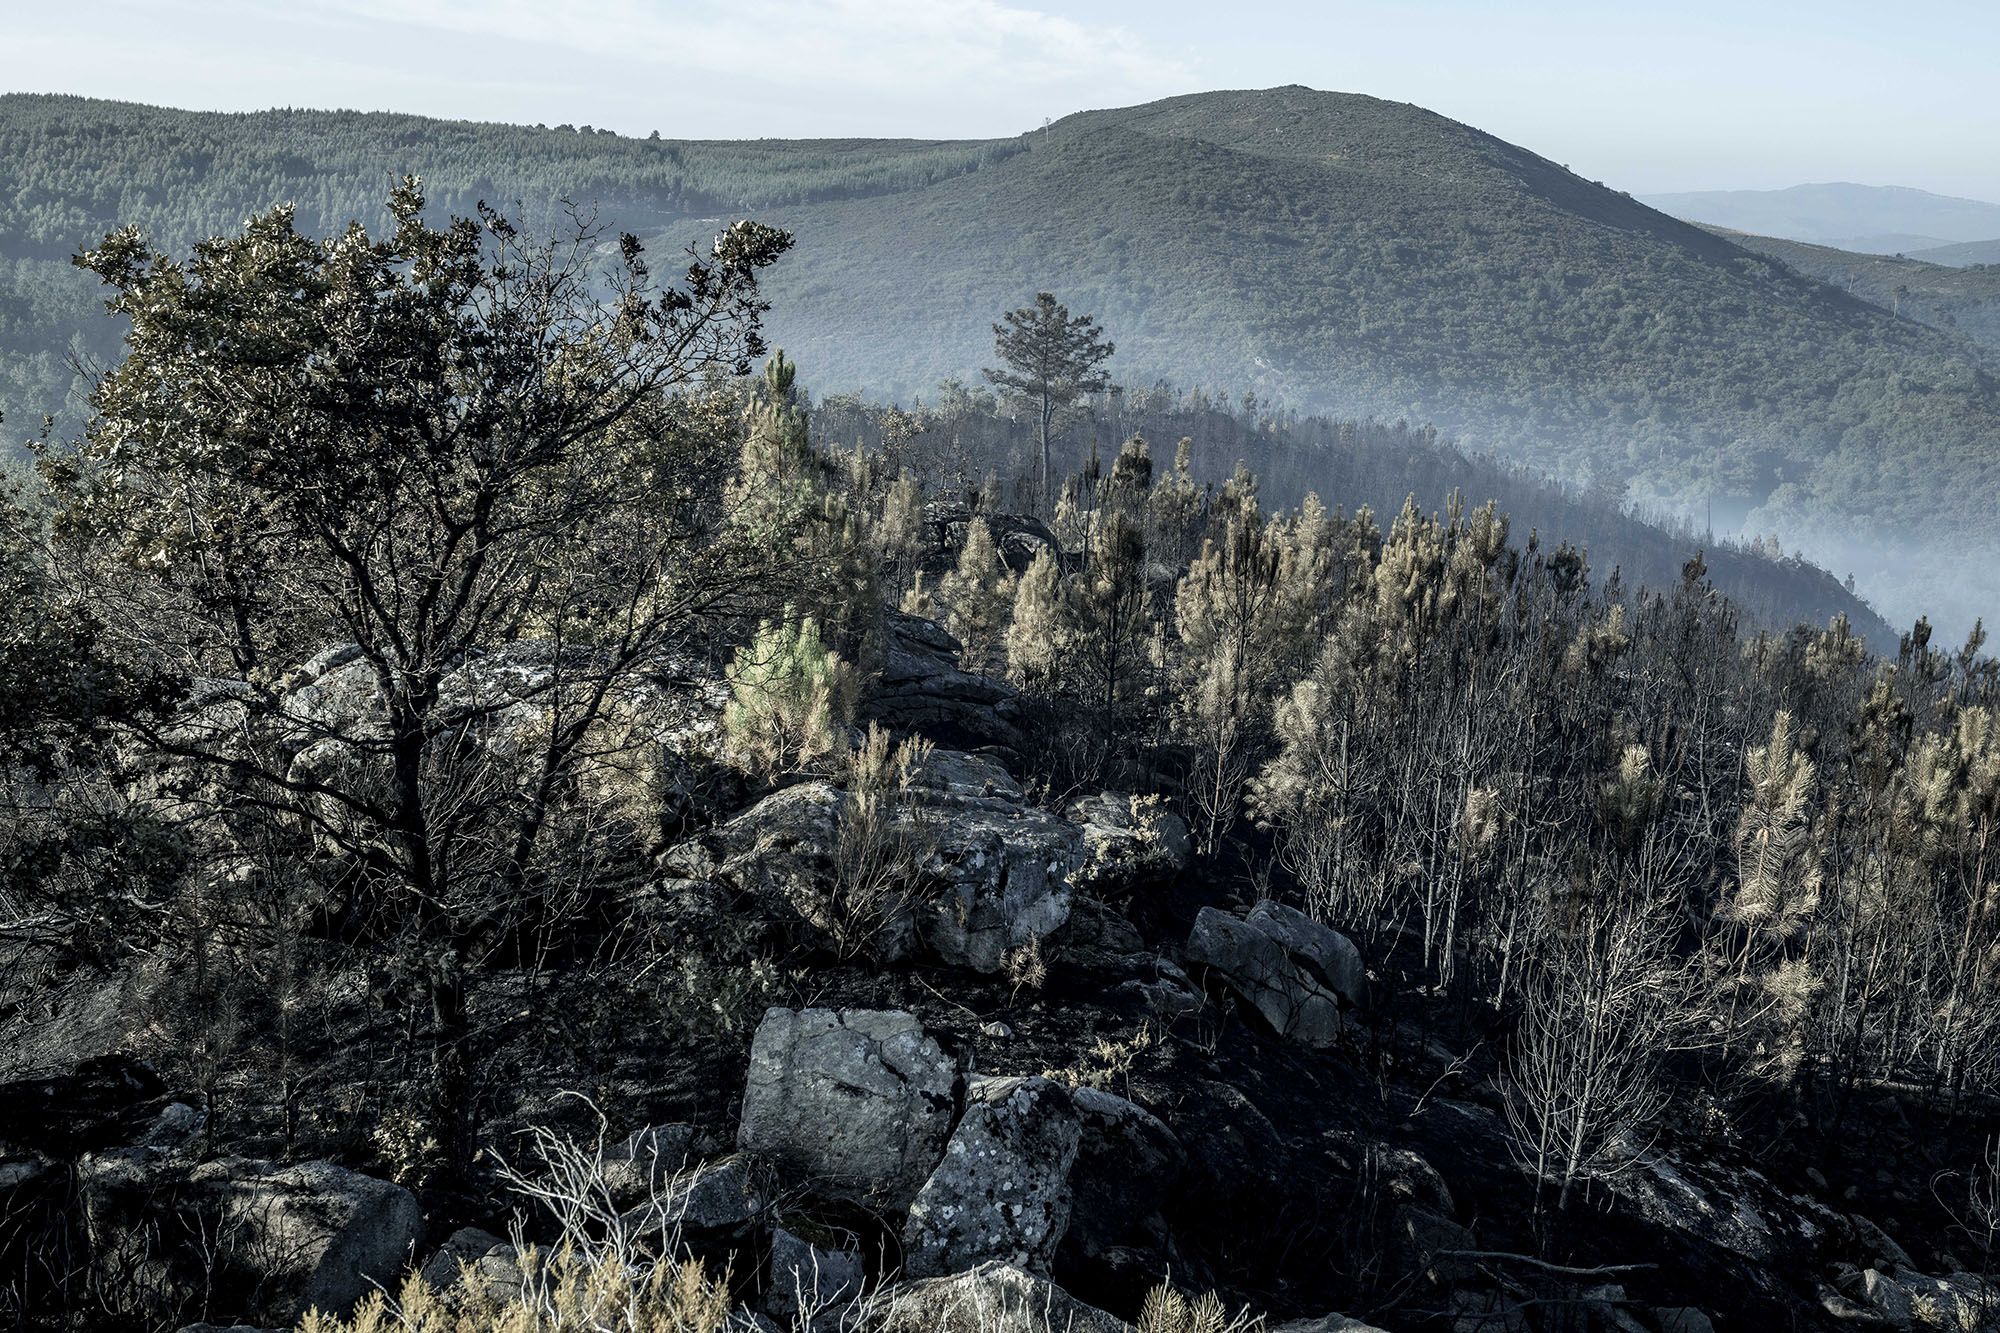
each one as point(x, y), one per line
point(1906, 107)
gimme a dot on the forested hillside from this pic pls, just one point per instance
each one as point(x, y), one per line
point(1961, 300)
point(1331, 253)
point(1373, 258)
point(72, 168)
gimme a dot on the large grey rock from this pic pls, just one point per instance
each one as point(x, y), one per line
point(321, 1234)
point(1330, 1323)
point(1719, 1201)
point(1295, 972)
point(1002, 1191)
point(782, 853)
point(280, 1240)
point(921, 687)
point(998, 868)
point(1327, 955)
point(855, 1103)
point(988, 871)
point(991, 1298)
point(336, 694)
point(811, 1288)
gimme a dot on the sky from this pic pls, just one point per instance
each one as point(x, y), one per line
point(1696, 94)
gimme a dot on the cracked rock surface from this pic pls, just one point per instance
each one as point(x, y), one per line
point(855, 1103)
point(1002, 1191)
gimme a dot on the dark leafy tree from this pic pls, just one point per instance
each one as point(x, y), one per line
point(430, 444)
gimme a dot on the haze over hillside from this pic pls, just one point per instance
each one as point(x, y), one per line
point(1365, 256)
point(1329, 252)
point(1874, 219)
point(1962, 254)
point(1958, 300)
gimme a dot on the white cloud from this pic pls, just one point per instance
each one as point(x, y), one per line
point(908, 49)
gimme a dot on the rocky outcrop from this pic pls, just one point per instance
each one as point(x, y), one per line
point(1127, 841)
point(781, 853)
point(856, 1103)
point(1002, 1191)
point(1020, 537)
point(988, 871)
point(1296, 973)
point(650, 760)
point(998, 867)
point(922, 688)
point(991, 1298)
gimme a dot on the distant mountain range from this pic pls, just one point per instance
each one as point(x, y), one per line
point(1871, 219)
point(1964, 253)
point(1329, 252)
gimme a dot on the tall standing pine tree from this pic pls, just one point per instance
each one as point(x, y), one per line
point(1052, 361)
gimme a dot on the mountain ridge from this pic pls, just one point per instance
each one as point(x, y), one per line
point(1332, 252)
